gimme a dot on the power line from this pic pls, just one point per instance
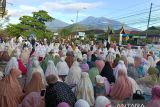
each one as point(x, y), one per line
point(130, 7)
point(134, 11)
point(141, 13)
point(151, 24)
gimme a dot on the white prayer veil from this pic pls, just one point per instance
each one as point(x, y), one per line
point(62, 67)
point(130, 60)
point(120, 65)
point(74, 74)
point(51, 69)
point(35, 67)
point(151, 61)
point(84, 89)
point(81, 103)
point(13, 63)
point(102, 101)
point(135, 86)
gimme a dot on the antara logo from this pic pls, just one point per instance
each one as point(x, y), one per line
point(130, 105)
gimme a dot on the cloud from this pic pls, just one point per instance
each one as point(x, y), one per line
point(65, 1)
point(15, 12)
point(28, 8)
point(21, 10)
point(62, 6)
point(59, 6)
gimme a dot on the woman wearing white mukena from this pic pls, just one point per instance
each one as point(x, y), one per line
point(13, 63)
point(62, 68)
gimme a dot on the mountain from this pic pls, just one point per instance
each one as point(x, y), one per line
point(56, 25)
point(77, 26)
point(102, 23)
point(90, 23)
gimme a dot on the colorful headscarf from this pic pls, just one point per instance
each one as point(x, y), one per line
point(93, 72)
point(10, 90)
point(33, 99)
point(35, 84)
point(81, 103)
point(84, 89)
point(122, 88)
point(102, 101)
point(13, 63)
point(155, 97)
point(120, 65)
point(152, 71)
point(74, 74)
point(100, 64)
point(63, 104)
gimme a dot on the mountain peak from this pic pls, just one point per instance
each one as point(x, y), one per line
point(90, 17)
point(89, 23)
point(56, 24)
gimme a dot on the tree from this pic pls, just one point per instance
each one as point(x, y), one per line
point(13, 30)
point(32, 25)
point(3, 34)
point(64, 33)
point(91, 36)
point(42, 16)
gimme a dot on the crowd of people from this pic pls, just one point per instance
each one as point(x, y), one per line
point(77, 75)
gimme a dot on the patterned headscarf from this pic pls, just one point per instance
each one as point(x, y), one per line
point(63, 104)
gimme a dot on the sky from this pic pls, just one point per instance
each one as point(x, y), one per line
point(132, 12)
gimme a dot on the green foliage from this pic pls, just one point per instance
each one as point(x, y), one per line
point(104, 36)
point(32, 25)
point(42, 16)
point(91, 36)
point(76, 27)
point(148, 41)
point(65, 33)
point(3, 34)
point(86, 40)
point(115, 38)
point(13, 30)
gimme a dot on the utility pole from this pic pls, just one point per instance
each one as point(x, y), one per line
point(77, 24)
point(149, 19)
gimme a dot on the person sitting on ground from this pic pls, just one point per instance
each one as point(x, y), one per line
point(58, 92)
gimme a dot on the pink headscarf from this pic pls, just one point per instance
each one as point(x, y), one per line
point(32, 100)
point(107, 86)
point(155, 97)
point(63, 104)
point(123, 87)
point(99, 64)
point(156, 92)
